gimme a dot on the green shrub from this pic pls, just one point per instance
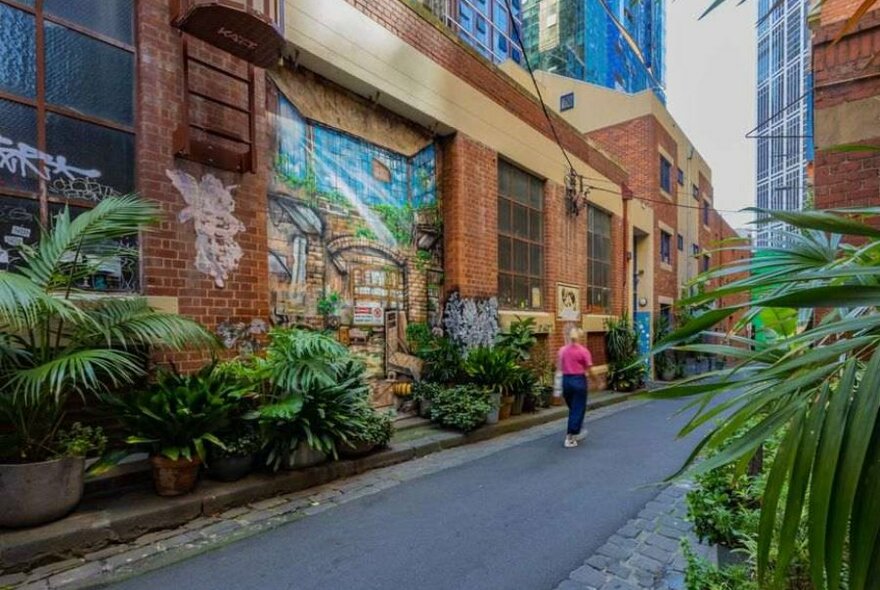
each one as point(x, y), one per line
point(519, 338)
point(492, 369)
point(463, 407)
point(419, 338)
point(81, 441)
point(719, 506)
point(377, 428)
point(426, 391)
point(702, 575)
point(177, 416)
point(625, 372)
point(443, 362)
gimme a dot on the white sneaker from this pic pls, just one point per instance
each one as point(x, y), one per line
point(570, 442)
point(581, 436)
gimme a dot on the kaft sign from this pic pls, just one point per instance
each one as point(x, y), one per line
point(247, 35)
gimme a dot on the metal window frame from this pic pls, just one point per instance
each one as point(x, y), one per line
point(43, 107)
point(505, 168)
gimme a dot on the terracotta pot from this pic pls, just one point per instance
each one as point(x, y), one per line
point(174, 478)
point(518, 401)
point(557, 401)
point(506, 407)
point(37, 493)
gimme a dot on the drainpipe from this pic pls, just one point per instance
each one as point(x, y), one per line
point(627, 196)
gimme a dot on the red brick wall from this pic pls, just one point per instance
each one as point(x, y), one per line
point(469, 193)
point(846, 71)
point(169, 251)
point(636, 144)
point(412, 23)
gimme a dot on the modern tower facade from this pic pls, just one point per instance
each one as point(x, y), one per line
point(617, 44)
point(486, 25)
point(784, 112)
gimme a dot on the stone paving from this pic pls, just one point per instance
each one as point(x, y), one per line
point(162, 548)
point(645, 553)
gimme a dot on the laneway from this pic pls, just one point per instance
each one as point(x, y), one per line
point(519, 519)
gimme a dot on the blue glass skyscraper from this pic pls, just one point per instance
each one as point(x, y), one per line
point(485, 25)
point(617, 44)
point(784, 111)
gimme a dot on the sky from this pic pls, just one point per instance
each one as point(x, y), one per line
point(710, 88)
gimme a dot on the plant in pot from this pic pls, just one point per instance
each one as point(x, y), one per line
point(58, 341)
point(462, 407)
point(425, 392)
point(315, 394)
point(519, 338)
point(175, 419)
point(443, 362)
point(522, 384)
point(376, 431)
point(235, 459)
point(625, 372)
point(493, 369)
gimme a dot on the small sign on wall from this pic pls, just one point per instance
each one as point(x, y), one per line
point(568, 303)
point(566, 102)
point(368, 313)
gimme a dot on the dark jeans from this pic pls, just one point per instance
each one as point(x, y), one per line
point(574, 390)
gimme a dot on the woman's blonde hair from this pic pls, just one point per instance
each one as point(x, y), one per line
point(575, 334)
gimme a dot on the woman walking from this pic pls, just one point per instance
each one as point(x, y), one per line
point(574, 362)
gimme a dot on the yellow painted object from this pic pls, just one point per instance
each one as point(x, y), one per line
point(402, 389)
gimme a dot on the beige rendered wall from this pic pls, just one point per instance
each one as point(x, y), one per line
point(339, 42)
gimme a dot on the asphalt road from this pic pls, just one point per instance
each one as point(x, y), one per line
point(520, 519)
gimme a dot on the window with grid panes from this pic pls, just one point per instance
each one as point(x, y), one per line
point(66, 118)
point(599, 259)
point(520, 238)
point(665, 247)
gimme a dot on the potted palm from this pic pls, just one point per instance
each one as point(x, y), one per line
point(493, 369)
point(315, 394)
point(58, 341)
point(175, 420)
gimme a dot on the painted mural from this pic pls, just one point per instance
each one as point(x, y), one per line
point(354, 238)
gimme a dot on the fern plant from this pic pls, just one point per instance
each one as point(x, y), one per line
point(57, 340)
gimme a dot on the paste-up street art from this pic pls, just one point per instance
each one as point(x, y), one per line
point(354, 238)
point(210, 206)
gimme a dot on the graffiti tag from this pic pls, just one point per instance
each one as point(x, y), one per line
point(21, 158)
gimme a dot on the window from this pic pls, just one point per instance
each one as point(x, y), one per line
point(705, 263)
point(665, 174)
point(665, 247)
point(706, 213)
point(666, 314)
point(680, 177)
point(66, 115)
point(599, 258)
point(680, 243)
point(695, 190)
point(695, 249)
point(520, 238)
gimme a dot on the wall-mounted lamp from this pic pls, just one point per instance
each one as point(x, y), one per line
point(629, 256)
point(643, 302)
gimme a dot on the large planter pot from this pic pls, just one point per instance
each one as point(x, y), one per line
point(530, 404)
point(730, 556)
point(506, 407)
point(37, 493)
point(356, 449)
point(306, 456)
point(518, 401)
point(174, 478)
point(230, 468)
point(493, 415)
point(425, 408)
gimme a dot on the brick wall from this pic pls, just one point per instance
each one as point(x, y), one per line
point(636, 143)
point(169, 251)
point(846, 73)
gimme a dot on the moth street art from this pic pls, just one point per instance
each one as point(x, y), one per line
point(354, 240)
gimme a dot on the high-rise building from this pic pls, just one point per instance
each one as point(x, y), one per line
point(613, 43)
point(784, 112)
point(489, 26)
